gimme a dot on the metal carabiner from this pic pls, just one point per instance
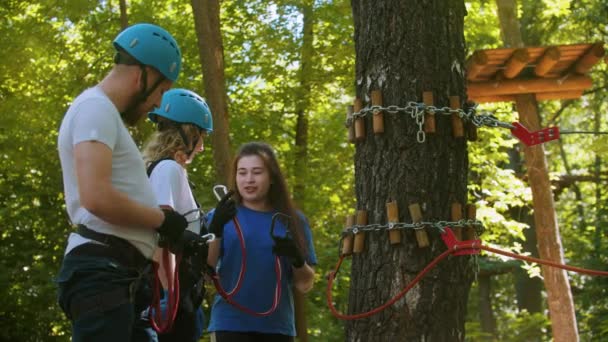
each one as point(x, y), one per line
point(219, 195)
point(209, 236)
point(274, 219)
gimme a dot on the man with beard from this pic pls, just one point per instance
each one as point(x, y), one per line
point(108, 196)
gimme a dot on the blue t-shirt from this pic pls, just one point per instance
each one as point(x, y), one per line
point(259, 282)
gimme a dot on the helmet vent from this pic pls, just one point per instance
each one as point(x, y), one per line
point(133, 42)
point(167, 107)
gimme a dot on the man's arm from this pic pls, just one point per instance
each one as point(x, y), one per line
point(93, 167)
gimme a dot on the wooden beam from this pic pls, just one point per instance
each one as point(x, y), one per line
point(559, 95)
point(547, 61)
point(476, 63)
point(528, 86)
point(590, 58)
point(516, 63)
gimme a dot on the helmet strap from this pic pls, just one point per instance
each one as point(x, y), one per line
point(143, 95)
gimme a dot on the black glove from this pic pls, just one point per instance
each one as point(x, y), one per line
point(193, 244)
point(224, 212)
point(170, 232)
point(287, 247)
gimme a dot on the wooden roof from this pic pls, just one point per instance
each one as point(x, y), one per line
point(550, 72)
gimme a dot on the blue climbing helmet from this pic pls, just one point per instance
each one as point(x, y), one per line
point(151, 45)
point(184, 106)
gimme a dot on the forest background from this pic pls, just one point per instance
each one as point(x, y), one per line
point(52, 50)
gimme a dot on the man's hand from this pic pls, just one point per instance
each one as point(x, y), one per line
point(287, 247)
point(224, 212)
point(171, 230)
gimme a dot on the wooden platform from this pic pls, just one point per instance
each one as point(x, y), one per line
point(550, 72)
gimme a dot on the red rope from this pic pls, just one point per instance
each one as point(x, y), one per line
point(275, 302)
point(239, 282)
point(546, 262)
point(160, 324)
point(385, 305)
point(464, 245)
point(228, 295)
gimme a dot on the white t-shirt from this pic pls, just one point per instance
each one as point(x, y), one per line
point(170, 183)
point(93, 117)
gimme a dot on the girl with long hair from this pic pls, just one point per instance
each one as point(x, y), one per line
point(260, 192)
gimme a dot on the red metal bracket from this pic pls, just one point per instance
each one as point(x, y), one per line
point(534, 138)
point(466, 247)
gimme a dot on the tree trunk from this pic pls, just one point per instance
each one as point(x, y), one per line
point(301, 142)
point(559, 296)
point(303, 102)
point(124, 19)
point(211, 52)
point(405, 47)
point(486, 313)
point(528, 289)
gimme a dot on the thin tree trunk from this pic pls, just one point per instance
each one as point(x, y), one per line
point(560, 303)
point(486, 313)
point(301, 142)
point(529, 296)
point(559, 296)
point(597, 170)
point(124, 20)
point(211, 52)
point(405, 47)
point(303, 102)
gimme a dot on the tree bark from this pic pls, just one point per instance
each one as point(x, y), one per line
point(405, 47)
point(211, 53)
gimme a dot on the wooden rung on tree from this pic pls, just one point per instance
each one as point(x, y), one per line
point(392, 213)
point(421, 235)
point(347, 241)
point(457, 124)
point(360, 236)
point(429, 118)
point(351, 127)
point(359, 121)
point(378, 121)
point(456, 215)
point(470, 127)
point(471, 212)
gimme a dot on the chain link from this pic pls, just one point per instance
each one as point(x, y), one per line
point(417, 110)
point(439, 225)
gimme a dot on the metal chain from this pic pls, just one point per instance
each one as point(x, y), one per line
point(439, 225)
point(417, 110)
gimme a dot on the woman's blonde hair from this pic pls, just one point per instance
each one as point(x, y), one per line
point(167, 140)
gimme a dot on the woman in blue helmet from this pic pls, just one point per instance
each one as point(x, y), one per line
point(107, 192)
point(183, 120)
